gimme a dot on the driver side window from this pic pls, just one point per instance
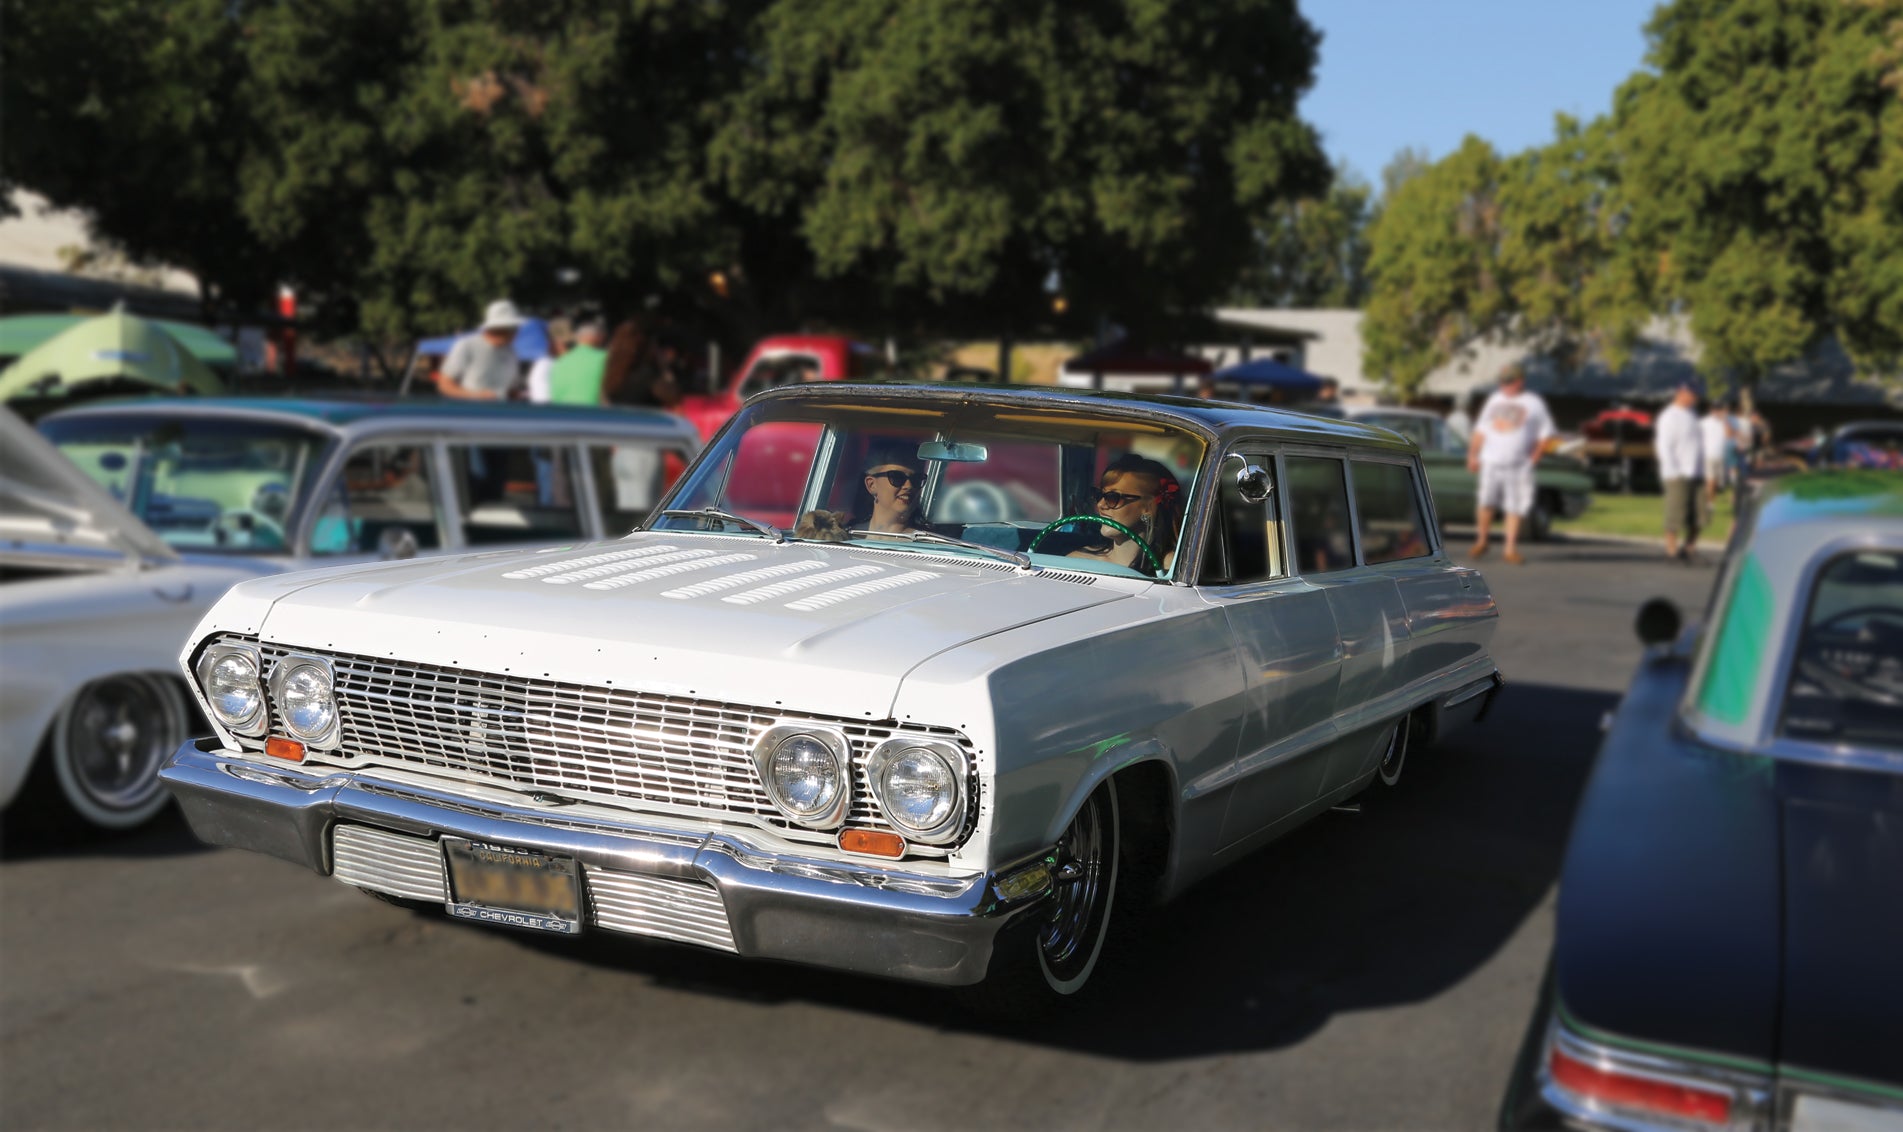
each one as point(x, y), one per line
point(1245, 539)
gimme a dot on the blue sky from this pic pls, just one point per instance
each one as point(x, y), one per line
point(1425, 73)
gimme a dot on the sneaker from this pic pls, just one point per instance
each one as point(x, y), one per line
point(1515, 557)
point(1479, 550)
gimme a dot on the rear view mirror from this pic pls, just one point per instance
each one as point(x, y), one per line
point(1658, 622)
point(952, 452)
point(1252, 484)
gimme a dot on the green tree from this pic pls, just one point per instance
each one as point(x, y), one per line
point(1435, 262)
point(1761, 156)
point(130, 110)
point(1575, 288)
point(951, 156)
point(1312, 253)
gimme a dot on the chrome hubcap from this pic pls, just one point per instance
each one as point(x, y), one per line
point(120, 732)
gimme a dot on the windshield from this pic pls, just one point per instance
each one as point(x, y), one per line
point(201, 485)
point(916, 476)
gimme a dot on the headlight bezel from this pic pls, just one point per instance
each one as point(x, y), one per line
point(955, 759)
point(287, 666)
point(253, 726)
point(833, 816)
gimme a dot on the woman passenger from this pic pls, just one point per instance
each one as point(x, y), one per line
point(1146, 497)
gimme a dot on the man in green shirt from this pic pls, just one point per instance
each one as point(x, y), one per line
point(575, 379)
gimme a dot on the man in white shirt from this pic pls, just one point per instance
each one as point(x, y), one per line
point(483, 366)
point(1509, 436)
point(1680, 450)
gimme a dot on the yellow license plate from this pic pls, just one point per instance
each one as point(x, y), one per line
point(519, 888)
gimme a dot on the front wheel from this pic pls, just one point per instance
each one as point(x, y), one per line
point(110, 742)
point(1067, 936)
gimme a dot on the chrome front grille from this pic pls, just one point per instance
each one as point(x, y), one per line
point(637, 750)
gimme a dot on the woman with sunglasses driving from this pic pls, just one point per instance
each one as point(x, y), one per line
point(1144, 496)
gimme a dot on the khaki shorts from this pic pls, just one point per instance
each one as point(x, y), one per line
point(1684, 507)
point(1507, 488)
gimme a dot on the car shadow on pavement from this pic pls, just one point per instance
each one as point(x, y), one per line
point(29, 835)
point(1353, 912)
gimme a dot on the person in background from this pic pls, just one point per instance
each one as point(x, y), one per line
point(1676, 438)
point(1460, 422)
point(1512, 432)
point(576, 378)
point(539, 370)
point(632, 375)
point(483, 366)
point(1714, 443)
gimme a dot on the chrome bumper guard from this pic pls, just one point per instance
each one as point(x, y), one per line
point(861, 918)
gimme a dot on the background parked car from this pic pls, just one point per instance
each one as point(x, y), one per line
point(1562, 489)
point(137, 516)
point(1729, 917)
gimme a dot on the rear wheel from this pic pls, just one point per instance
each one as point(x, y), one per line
point(1395, 757)
point(108, 744)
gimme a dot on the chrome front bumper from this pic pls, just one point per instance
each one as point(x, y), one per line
point(863, 918)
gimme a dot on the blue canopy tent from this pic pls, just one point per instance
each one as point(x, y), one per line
point(1269, 373)
point(531, 341)
point(531, 345)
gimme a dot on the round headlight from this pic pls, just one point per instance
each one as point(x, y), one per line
point(232, 688)
point(806, 776)
point(305, 698)
point(918, 789)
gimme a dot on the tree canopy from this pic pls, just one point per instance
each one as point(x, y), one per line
point(1751, 179)
point(759, 162)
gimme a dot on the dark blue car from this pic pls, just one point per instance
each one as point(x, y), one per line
point(1729, 942)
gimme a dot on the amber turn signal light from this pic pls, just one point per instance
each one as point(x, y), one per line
point(872, 842)
point(284, 749)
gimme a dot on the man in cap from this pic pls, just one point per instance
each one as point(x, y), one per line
point(1509, 436)
point(483, 366)
point(1680, 447)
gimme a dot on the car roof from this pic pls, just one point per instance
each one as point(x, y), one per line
point(1843, 498)
point(382, 414)
point(1219, 420)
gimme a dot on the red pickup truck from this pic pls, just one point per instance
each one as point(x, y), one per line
point(782, 360)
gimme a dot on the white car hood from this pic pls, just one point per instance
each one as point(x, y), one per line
point(47, 501)
point(814, 627)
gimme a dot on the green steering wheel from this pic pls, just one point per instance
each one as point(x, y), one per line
point(1099, 519)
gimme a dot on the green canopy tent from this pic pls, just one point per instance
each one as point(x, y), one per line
point(21, 333)
point(116, 348)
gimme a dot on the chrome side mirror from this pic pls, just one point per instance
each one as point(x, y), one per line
point(1658, 622)
point(396, 542)
point(1252, 483)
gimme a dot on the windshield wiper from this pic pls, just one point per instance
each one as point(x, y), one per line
point(1022, 560)
point(767, 529)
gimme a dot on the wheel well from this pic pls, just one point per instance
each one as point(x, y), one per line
point(1144, 814)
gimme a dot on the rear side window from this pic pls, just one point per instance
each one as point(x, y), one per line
point(1318, 502)
point(1390, 512)
point(515, 493)
point(1846, 684)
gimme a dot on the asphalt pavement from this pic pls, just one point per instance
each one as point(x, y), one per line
point(1373, 970)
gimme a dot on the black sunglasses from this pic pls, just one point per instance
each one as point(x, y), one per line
point(895, 477)
point(1116, 499)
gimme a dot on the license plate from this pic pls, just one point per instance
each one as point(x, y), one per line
point(518, 888)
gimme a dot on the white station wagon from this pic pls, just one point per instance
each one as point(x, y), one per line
point(920, 682)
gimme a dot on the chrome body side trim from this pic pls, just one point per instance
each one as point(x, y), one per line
point(931, 927)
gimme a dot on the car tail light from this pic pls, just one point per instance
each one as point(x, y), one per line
point(1621, 1089)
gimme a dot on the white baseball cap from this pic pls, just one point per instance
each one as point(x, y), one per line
point(501, 315)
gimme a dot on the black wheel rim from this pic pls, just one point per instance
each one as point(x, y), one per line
point(120, 734)
point(1068, 938)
